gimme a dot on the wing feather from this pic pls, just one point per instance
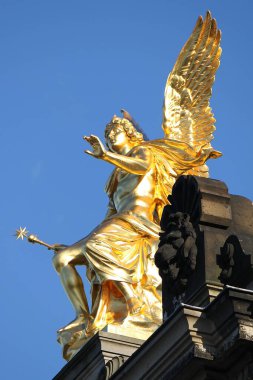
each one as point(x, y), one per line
point(187, 115)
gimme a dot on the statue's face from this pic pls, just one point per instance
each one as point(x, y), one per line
point(117, 139)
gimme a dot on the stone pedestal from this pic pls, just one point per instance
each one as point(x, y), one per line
point(132, 331)
point(100, 357)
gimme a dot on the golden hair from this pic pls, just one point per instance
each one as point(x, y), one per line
point(128, 127)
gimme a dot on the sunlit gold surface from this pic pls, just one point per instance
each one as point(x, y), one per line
point(187, 115)
point(118, 254)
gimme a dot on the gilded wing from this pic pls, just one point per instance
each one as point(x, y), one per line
point(187, 115)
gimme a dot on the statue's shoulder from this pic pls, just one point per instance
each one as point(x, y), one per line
point(140, 150)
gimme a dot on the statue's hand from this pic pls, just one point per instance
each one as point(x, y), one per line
point(58, 247)
point(98, 148)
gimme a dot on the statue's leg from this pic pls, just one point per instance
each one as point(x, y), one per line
point(64, 263)
point(133, 303)
point(101, 249)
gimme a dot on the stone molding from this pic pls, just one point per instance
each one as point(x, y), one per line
point(195, 341)
point(89, 363)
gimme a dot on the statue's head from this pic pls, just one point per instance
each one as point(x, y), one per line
point(118, 124)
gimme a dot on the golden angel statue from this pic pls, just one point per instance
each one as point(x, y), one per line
point(119, 253)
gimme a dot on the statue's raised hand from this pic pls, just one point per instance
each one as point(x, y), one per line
point(98, 148)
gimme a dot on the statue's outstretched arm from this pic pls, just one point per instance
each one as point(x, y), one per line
point(138, 163)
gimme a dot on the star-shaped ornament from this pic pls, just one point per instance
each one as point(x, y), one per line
point(21, 233)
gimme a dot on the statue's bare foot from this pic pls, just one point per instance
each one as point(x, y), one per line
point(80, 321)
point(134, 305)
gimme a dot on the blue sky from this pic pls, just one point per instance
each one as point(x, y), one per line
point(66, 67)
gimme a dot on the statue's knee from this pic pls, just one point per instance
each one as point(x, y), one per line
point(59, 261)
